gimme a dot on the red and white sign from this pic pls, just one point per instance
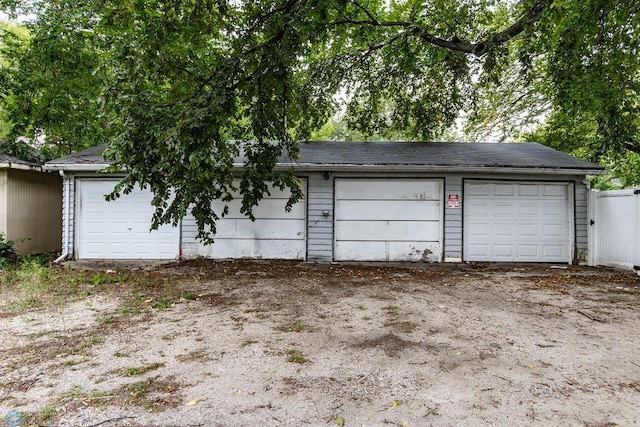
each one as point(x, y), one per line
point(454, 201)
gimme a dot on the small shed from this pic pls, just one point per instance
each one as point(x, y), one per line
point(434, 202)
point(30, 205)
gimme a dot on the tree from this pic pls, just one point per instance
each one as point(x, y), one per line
point(172, 85)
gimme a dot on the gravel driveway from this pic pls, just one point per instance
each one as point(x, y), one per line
point(280, 343)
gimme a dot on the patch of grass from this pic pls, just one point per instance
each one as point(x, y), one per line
point(120, 354)
point(108, 320)
point(189, 296)
point(41, 418)
point(77, 393)
point(162, 303)
point(46, 415)
point(299, 326)
point(138, 394)
point(141, 370)
point(392, 310)
point(295, 356)
point(195, 355)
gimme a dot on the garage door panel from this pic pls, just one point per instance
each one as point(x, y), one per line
point(555, 190)
point(353, 251)
point(517, 222)
point(527, 189)
point(254, 248)
point(501, 251)
point(393, 210)
point(120, 229)
point(275, 233)
point(528, 251)
point(267, 208)
point(553, 231)
point(528, 230)
point(391, 189)
point(411, 231)
point(503, 190)
point(269, 229)
point(388, 219)
point(501, 230)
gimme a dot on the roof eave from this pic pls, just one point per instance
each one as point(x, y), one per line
point(76, 167)
point(441, 168)
point(314, 167)
point(20, 166)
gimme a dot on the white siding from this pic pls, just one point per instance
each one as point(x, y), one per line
point(453, 220)
point(581, 221)
point(69, 215)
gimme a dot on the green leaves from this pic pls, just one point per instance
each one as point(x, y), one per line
point(177, 87)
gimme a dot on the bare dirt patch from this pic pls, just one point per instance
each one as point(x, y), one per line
point(281, 343)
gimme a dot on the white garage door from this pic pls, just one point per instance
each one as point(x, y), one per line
point(517, 221)
point(388, 220)
point(275, 234)
point(120, 229)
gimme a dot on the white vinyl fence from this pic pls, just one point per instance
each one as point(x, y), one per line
point(614, 233)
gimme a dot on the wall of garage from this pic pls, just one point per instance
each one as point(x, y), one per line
point(320, 212)
point(320, 228)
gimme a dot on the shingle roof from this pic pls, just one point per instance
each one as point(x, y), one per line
point(12, 160)
point(359, 155)
point(517, 155)
point(90, 156)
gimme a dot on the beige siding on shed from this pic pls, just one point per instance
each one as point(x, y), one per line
point(3, 202)
point(34, 210)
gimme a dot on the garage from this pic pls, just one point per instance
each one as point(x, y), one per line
point(275, 233)
point(120, 229)
point(517, 221)
point(388, 219)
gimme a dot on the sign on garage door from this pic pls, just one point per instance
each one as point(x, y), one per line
point(388, 220)
point(120, 229)
point(517, 221)
point(275, 234)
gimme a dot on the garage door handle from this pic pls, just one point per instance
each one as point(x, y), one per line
point(591, 222)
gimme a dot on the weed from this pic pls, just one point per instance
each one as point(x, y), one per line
point(392, 310)
point(162, 303)
point(296, 356)
point(7, 251)
point(106, 278)
point(140, 370)
point(46, 415)
point(120, 354)
point(87, 397)
point(200, 355)
point(138, 394)
point(299, 326)
point(367, 318)
point(108, 320)
point(190, 296)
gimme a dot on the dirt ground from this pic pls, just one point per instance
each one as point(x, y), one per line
point(279, 343)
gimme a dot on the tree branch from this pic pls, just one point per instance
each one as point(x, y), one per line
point(631, 147)
point(477, 48)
